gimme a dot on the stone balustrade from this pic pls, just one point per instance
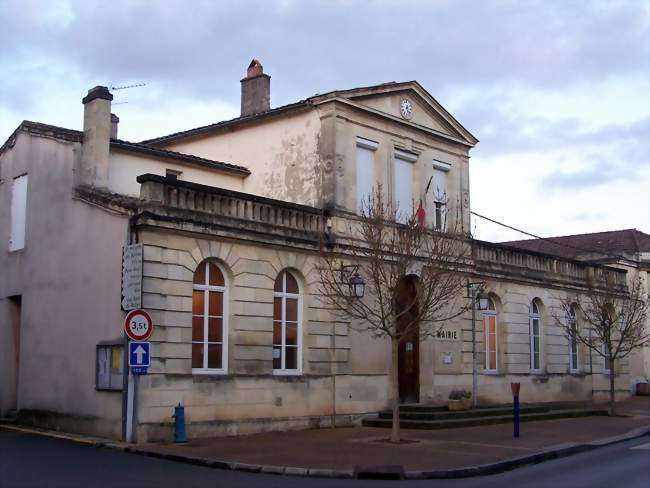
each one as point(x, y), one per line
point(243, 212)
point(500, 259)
point(219, 202)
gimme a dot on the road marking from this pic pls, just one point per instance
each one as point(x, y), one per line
point(645, 447)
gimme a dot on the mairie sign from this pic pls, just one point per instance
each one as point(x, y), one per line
point(447, 334)
point(139, 355)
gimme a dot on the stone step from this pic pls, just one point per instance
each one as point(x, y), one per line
point(422, 407)
point(418, 407)
point(472, 413)
point(485, 420)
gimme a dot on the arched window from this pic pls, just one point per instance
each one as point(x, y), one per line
point(209, 319)
point(287, 334)
point(534, 318)
point(573, 340)
point(490, 337)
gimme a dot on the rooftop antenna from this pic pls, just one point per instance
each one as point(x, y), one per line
point(124, 87)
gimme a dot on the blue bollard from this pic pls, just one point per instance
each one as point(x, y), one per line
point(179, 423)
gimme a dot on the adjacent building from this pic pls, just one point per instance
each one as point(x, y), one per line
point(232, 218)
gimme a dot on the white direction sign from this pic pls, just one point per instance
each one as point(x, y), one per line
point(131, 276)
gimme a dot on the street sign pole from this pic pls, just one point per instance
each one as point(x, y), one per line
point(130, 394)
point(125, 386)
point(138, 327)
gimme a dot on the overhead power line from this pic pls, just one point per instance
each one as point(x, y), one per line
point(551, 240)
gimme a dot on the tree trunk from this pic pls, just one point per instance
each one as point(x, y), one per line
point(394, 385)
point(612, 393)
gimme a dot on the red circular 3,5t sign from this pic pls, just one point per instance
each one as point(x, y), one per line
point(138, 325)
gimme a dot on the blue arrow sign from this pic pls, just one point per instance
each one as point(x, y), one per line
point(139, 355)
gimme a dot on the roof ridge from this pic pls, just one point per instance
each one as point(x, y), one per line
point(574, 235)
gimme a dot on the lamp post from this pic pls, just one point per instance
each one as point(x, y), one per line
point(482, 305)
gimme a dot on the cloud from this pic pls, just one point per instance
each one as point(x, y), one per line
point(202, 48)
point(599, 172)
point(557, 91)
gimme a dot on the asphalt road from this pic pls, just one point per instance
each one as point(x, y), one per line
point(31, 461)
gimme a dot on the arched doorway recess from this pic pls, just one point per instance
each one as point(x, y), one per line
point(408, 356)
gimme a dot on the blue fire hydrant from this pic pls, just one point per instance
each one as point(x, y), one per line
point(179, 423)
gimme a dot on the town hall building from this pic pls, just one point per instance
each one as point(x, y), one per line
point(232, 218)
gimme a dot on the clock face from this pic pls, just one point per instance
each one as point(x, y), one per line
point(406, 108)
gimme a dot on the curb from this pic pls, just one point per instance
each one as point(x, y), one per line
point(555, 452)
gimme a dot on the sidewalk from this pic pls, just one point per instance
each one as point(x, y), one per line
point(342, 452)
point(344, 449)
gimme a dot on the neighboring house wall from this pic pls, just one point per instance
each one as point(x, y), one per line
point(282, 154)
point(68, 276)
point(124, 168)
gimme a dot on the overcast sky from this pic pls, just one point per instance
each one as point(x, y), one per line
point(558, 93)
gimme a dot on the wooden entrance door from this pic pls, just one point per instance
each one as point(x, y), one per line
point(408, 357)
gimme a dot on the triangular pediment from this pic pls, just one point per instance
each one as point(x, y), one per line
point(426, 112)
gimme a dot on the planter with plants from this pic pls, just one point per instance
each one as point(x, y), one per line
point(459, 400)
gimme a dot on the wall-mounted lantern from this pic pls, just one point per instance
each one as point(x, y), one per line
point(357, 285)
point(483, 301)
point(355, 281)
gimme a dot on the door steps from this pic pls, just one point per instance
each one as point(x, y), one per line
point(429, 418)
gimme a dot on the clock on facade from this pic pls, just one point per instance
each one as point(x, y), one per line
point(405, 108)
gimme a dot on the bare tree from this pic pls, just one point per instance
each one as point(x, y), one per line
point(615, 324)
point(414, 278)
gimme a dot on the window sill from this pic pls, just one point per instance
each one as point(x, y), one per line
point(287, 372)
point(492, 373)
point(210, 372)
point(115, 390)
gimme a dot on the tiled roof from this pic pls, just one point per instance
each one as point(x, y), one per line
point(609, 244)
point(43, 129)
point(187, 158)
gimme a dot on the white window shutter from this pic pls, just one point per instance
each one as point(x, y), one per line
point(18, 213)
point(365, 177)
point(403, 189)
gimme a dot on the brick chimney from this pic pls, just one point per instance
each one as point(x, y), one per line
point(93, 165)
point(255, 90)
